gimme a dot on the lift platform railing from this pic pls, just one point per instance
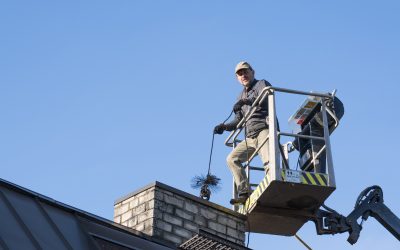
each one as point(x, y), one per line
point(276, 150)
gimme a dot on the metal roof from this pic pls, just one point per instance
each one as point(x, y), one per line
point(32, 221)
point(207, 241)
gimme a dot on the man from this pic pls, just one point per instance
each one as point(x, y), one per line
point(256, 128)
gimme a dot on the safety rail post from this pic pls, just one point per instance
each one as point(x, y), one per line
point(273, 139)
point(234, 194)
point(329, 170)
point(248, 173)
point(286, 152)
point(234, 187)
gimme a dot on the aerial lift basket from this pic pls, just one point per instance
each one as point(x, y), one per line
point(286, 198)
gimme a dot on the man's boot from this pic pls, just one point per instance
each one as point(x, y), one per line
point(241, 199)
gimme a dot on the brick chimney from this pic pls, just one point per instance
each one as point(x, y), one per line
point(172, 215)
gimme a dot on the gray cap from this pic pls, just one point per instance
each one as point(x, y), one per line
point(243, 65)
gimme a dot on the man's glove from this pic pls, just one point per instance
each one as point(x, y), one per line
point(219, 129)
point(238, 105)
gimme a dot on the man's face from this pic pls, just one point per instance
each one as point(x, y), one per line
point(245, 76)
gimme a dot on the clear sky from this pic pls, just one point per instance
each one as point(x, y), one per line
point(99, 98)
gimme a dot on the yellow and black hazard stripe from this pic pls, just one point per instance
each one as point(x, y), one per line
point(255, 195)
point(311, 178)
point(314, 179)
point(305, 178)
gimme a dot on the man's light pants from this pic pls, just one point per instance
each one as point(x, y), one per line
point(241, 153)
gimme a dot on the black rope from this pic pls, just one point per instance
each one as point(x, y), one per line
point(212, 145)
point(228, 116)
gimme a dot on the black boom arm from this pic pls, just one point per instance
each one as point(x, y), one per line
point(369, 203)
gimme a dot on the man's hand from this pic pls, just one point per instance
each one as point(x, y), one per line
point(219, 129)
point(238, 105)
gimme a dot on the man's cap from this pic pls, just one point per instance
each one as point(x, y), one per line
point(243, 65)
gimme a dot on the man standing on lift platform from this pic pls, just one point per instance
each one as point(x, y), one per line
point(256, 128)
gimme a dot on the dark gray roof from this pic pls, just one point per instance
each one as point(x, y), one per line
point(207, 241)
point(32, 221)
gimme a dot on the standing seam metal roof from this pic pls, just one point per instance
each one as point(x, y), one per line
point(32, 221)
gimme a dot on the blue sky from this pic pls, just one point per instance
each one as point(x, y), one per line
point(99, 98)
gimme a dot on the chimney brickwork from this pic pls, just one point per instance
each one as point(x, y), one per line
point(169, 214)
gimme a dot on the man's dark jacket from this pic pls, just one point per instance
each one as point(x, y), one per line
point(258, 120)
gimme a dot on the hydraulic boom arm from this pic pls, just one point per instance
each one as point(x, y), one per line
point(369, 203)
